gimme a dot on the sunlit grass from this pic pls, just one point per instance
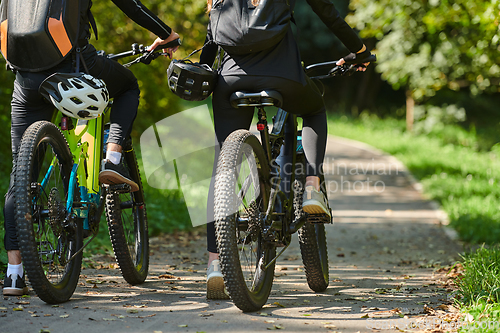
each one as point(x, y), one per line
point(453, 172)
point(479, 290)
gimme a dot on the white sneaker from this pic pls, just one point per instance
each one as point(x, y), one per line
point(314, 202)
point(215, 282)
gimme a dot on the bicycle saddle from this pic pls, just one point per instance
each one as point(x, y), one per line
point(264, 98)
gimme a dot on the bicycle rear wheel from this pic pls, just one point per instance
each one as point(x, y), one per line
point(128, 226)
point(47, 238)
point(241, 198)
point(312, 239)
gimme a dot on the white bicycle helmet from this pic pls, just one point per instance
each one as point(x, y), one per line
point(77, 95)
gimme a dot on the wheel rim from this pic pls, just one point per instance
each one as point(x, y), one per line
point(130, 215)
point(250, 208)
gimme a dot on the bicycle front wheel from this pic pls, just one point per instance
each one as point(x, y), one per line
point(49, 236)
point(128, 226)
point(241, 198)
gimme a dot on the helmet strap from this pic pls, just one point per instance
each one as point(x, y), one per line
point(79, 57)
point(196, 51)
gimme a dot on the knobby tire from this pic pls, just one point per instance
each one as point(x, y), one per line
point(128, 226)
point(312, 240)
point(241, 192)
point(45, 243)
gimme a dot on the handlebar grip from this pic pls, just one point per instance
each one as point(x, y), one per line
point(370, 58)
point(353, 59)
point(174, 43)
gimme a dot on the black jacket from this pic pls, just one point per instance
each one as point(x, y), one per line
point(261, 63)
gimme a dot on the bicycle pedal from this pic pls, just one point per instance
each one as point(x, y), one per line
point(120, 188)
point(319, 218)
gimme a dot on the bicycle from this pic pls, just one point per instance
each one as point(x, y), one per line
point(258, 200)
point(59, 201)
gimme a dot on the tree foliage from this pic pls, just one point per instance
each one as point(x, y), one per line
point(426, 45)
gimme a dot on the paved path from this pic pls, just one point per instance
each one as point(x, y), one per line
point(384, 251)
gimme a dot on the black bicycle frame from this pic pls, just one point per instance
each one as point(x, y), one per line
point(280, 147)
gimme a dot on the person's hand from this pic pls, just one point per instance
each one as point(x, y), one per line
point(361, 53)
point(158, 41)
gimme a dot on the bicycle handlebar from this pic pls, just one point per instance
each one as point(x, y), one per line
point(147, 56)
point(334, 70)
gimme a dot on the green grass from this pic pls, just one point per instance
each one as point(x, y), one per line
point(448, 163)
point(479, 289)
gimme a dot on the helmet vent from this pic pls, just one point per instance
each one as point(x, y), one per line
point(76, 100)
point(77, 84)
point(83, 114)
point(92, 96)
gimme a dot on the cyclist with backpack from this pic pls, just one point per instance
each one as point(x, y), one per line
point(34, 58)
point(264, 55)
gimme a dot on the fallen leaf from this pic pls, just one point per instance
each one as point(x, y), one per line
point(20, 308)
point(35, 315)
point(95, 281)
point(64, 316)
point(184, 325)
point(132, 311)
point(269, 321)
point(278, 304)
point(365, 316)
point(275, 327)
point(44, 331)
point(264, 314)
point(108, 319)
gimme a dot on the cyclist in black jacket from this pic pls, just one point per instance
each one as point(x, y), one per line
point(277, 68)
point(28, 107)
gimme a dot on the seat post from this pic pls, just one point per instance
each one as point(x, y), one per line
point(263, 129)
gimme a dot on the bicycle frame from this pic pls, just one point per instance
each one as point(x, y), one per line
point(85, 142)
point(280, 147)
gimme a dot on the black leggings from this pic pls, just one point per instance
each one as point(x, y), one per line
point(305, 101)
point(28, 106)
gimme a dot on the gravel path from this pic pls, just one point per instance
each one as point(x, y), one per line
point(387, 249)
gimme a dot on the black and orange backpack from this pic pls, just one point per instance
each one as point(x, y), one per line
point(36, 35)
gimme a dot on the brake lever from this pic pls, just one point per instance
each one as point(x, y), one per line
point(150, 56)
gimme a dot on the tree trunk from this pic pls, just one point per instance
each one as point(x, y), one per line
point(410, 106)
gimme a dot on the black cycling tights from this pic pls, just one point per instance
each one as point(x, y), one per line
point(28, 107)
point(305, 101)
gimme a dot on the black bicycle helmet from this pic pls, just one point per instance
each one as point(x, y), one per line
point(191, 81)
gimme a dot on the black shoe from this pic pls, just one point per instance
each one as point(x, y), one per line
point(13, 285)
point(113, 174)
